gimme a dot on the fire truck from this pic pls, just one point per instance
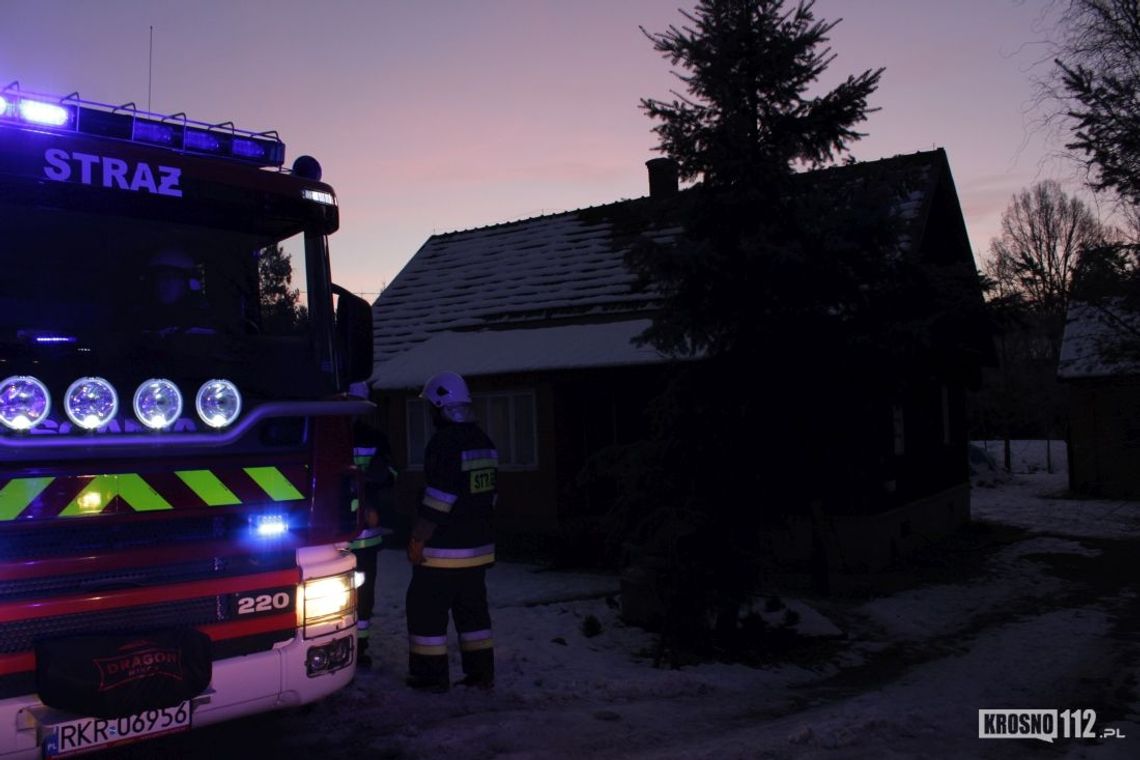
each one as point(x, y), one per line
point(176, 473)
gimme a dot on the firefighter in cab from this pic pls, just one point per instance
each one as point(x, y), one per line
point(175, 301)
point(452, 544)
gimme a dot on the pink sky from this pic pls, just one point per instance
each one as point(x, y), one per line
point(437, 115)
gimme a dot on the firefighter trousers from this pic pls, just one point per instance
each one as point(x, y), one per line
point(432, 594)
point(365, 595)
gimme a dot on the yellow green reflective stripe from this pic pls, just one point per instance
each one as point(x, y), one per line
point(139, 494)
point(362, 455)
point(274, 483)
point(131, 488)
point(19, 493)
point(364, 543)
point(208, 487)
point(458, 562)
point(475, 646)
point(437, 505)
point(478, 464)
point(429, 645)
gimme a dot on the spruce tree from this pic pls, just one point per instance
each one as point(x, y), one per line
point(281, 309)
point(1098, 71)
point(747, 124)
point(782, 295)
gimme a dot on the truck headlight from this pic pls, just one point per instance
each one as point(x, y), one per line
point(218, 403)
point(158, 403)
point(91, 402)
point(24, 402)
point(328, 604)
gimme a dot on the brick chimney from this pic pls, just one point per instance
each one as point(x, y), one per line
point(662, 177)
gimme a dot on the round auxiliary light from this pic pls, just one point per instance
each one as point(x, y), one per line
point(158, 403)
point(91, 402)
point(218, 403)
point(24, 402)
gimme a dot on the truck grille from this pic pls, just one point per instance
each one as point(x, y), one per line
point(96, 536)
point(141, 577)
point(22, 635)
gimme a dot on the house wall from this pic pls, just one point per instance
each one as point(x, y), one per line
point(578, 414)
point(596, 410)
point(935, 455)
point(884, 502)
point(870, 542)
point(1104, 438)
point(528, 497)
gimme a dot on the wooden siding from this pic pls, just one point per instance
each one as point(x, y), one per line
point(1104, 438)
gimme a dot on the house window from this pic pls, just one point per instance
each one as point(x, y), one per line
point(419, 430)
point(508, 418)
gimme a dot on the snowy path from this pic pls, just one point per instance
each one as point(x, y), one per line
point(1035, 606)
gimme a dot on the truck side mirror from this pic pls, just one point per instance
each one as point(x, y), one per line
point(353, 335)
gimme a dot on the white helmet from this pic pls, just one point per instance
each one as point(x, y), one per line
point(445, 389)
point(171, 276)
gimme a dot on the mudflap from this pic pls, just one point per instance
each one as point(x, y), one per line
point(110, 676)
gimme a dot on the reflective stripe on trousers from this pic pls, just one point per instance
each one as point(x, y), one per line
point(454, 559)
point(427, 645)
point(475, 640)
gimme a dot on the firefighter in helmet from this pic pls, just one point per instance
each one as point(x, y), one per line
point(172, 275)
point(174, 288)
point(452, 543)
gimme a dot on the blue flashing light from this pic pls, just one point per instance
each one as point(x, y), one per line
point(147, 131)
point(270, 525)
point(248, 149)
point(174, 132)
point(48, 114)
point(203, 141)
point(56, 339)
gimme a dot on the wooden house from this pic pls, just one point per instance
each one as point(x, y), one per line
point(1102, 377)
point(540, 317)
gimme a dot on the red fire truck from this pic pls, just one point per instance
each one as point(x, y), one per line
point(176, 470)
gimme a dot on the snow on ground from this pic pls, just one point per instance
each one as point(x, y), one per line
point(1034, 606)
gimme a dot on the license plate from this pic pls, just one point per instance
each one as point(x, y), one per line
point(85, 734)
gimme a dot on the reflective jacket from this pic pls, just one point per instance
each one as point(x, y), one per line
point(460, 469)
point(377, 475)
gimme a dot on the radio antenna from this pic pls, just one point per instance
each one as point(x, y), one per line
point(149, 67)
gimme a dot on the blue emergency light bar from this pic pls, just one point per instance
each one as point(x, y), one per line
point(125, 122)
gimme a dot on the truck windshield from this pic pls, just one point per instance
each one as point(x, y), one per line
point(127, 299)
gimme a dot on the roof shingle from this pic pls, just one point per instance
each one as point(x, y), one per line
point(568, 266)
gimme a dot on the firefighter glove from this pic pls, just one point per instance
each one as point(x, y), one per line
point(415, 551)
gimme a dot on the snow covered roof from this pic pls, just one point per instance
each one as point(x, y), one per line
point(492, 352)
point(567, 267)
point(1094, 336)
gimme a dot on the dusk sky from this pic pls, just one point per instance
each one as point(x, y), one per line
point(437, 115)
